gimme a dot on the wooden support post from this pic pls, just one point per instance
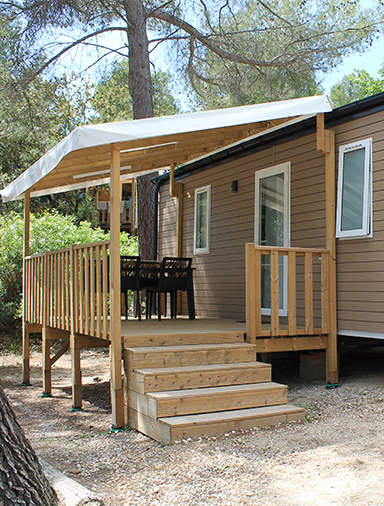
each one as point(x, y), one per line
point(320, 132)
point(250, 292)
point(178, 193)
point(47, 372)
point(179, 218)
point(77, 399)
point(330, 212)
point(25, 337)
point(117, 397)
point(172, 180)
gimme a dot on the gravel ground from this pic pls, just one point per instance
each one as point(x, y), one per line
point(335, 457)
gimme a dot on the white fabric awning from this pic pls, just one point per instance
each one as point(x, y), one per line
point(82, 158)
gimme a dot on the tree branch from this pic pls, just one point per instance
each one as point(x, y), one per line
point(74, 44)
point(226, 55)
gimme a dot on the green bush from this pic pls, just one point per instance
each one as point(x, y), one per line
point(48, 232)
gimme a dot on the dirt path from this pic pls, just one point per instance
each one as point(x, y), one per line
point(336, 457)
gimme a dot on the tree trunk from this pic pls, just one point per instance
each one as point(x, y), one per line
point(142, 104)
point(145, 191)
point(139, 65)
point(22, 481)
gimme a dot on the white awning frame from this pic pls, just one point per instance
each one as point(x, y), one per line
point(176, 137)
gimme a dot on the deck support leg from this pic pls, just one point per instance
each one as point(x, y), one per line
point(26, 356)
point(47, 371)
point(76, 374)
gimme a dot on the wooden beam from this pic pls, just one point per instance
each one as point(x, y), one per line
point(291, 344)
point(320, 132)
point(117, 396)
point(60, 353)
point(91, 342)
point(25, 330)
point(330, 213)
point(52, 334)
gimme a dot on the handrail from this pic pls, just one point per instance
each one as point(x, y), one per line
point(68, 289)
point(255, 329)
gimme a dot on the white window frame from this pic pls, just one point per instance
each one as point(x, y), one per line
point(284, 168)
point(206, 250)
point(366, 229)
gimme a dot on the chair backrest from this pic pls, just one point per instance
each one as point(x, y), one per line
point(130, 273)
point(175, 273)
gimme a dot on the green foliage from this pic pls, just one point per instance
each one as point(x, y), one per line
point(356, 86)
point(112, 100)
point(295, 42)
point(48, 232)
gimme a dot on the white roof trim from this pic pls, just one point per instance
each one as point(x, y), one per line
point(97, 135)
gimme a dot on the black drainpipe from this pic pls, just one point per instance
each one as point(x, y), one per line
point(155, 219)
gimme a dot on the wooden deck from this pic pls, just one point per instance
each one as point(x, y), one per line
point(180, 325)
point(184, 331)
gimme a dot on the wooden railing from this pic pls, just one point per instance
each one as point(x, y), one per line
point(68, 289)
point(304, 290)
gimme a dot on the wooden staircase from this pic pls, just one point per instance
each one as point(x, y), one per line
point(200, 385)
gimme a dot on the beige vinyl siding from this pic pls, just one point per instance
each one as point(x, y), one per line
point(220, 275)
point(219, 278)
point(360, 262)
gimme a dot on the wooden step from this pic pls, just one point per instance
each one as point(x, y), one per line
point(170, 429)
point(171, 356)
point(180, 339)
point(198, 376)
point(208, 400)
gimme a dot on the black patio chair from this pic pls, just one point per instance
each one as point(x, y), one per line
point(130, 280)
point(175, 275)
point(149, 279)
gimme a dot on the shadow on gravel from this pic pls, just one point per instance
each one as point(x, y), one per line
point(97, 394)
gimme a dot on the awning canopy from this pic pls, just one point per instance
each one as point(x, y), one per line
point(82, 159)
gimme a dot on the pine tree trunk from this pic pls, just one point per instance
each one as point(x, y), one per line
point(139, 65)
point(142, 104)
point(22, 481)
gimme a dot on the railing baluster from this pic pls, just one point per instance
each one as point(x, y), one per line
point(81, 291)
point(292, 309)
point(92, 289)
point(98, 292)
point(86, 292)
point(105, 291)
point(325, 293)
point(275, 303)
point(75, 267)
point(308, 293)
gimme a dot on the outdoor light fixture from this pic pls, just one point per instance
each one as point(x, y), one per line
point(234, 186)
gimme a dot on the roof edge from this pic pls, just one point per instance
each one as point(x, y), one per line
point(348, 112)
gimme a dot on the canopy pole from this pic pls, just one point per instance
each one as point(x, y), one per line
point(330, 212)
point(25, 330)
point(115, 351)
point(326, 144)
